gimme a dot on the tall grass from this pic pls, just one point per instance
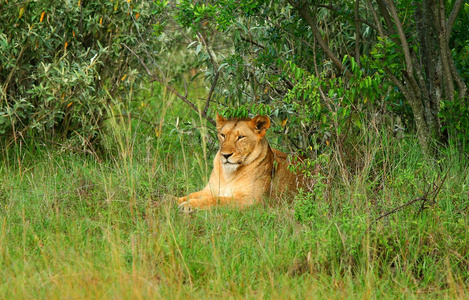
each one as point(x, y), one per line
point(73, 226)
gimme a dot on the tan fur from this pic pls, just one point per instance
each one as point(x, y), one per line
point(253, 169)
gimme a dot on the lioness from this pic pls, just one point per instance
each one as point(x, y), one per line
point(245, 168)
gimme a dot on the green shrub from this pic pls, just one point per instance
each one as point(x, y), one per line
point(62, 62)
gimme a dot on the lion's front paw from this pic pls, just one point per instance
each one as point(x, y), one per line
point(186, 208)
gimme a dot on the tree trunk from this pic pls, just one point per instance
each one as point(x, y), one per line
point(428, 75)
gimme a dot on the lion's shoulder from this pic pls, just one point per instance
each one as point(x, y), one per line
point(279, 154)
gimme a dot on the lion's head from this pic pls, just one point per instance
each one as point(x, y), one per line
point(240, 140)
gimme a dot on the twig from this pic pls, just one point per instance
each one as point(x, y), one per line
point(310, 18)
point(423, 198)
point(401, 33)
point(132, 117)
point(12, 5)
point(396, 209)
point(337, 11)
point(437, 191)
point(217, 74)
point(452, 17)
point(209, 97)
point(163, 82)
point(274, 69)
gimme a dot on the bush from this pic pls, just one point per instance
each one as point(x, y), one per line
point(62, 63)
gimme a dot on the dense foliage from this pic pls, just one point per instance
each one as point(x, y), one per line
point(403, 53)
point(63, 64)
point(325, 68)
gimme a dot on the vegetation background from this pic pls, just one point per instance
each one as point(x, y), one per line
point(106, 113)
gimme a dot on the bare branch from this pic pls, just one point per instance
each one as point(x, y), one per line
point(399, 85)
point(357, 33)
point(163, 82)
point(376, 19)
point(448, 28)
point(337, 10)
point(445, 53)
point(131, 116)
point(461, 84)
point(401, 33)
point(387, 18)
point(305, 13)
point(252, 42)
point(185, 87)
point(284, 31)
point(15, 4)
point(423, 198)
point(209, 96)
point(410, 78)
point(215, 69)
point(289, 84)
point(214, 63)
point(452, 17)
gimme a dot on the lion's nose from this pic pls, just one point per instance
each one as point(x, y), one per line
point(226, 156)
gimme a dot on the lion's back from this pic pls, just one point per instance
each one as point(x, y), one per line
point(285, 181)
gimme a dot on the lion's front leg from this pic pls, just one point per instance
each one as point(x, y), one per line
point(210, 201)
point(204, 202)
point(197, 195)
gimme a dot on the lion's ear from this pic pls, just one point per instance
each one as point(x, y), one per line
point(260, 124)
point(221, 121)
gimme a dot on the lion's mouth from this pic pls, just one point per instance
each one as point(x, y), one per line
point(230, 163)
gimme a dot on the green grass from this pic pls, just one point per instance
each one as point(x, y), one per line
point(75, 227)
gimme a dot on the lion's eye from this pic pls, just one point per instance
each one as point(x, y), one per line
point(222, 135)
point(241, 137)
